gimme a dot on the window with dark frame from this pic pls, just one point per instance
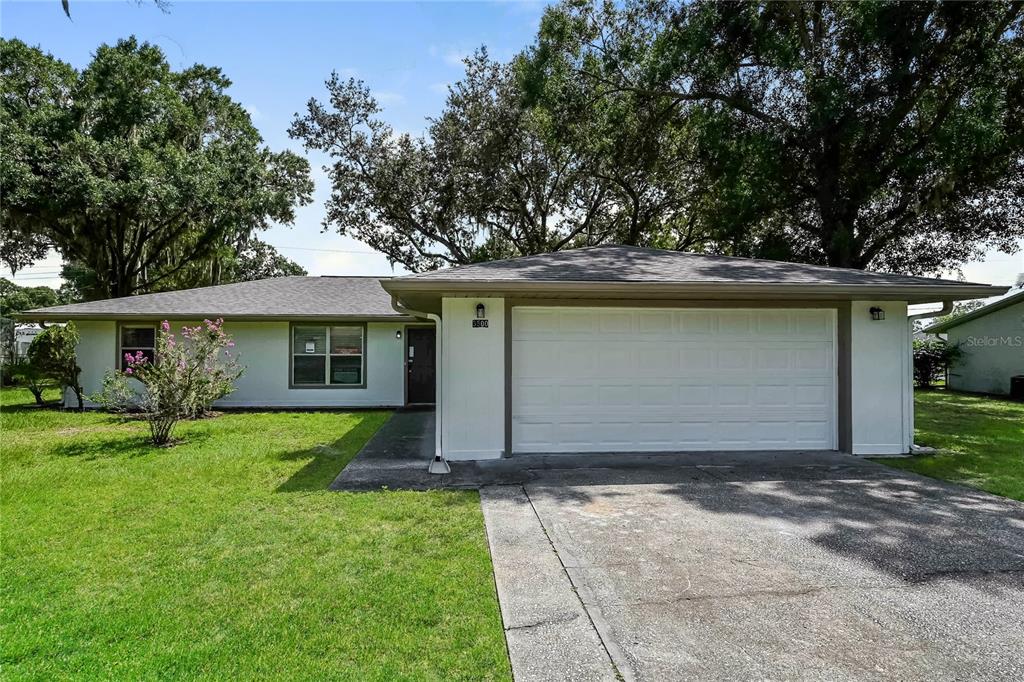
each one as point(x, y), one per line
point(327, 355)
point(136, 338)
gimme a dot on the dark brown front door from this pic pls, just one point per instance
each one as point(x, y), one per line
point(419, 358)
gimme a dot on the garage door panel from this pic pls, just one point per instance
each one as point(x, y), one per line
point(661, 379)
point(773, 323)
point(732, 358)
point(657, 359)
point(695, 322)
point(614, 322)
point(735, 323)
point(655, 323)
point(577, 322)
point(693, 358)
point(536, 322)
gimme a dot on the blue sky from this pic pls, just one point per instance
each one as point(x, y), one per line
point(278, 55)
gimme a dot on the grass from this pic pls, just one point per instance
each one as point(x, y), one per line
point(224, 557)
point(982, 441)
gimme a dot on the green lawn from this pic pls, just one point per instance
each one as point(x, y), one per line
point(224, 557)
point(982, 441)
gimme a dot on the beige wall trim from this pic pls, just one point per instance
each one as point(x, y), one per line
point(662, 303)
point(844, 354)
point(508, 379)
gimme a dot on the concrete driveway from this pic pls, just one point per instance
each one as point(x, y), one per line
point(821, 569)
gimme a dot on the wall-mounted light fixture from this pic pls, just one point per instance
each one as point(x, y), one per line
point(481, 312)
point(398, 334)
point(877, 313)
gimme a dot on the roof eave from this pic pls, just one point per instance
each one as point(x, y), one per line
point(914, 293)
point(44, 315)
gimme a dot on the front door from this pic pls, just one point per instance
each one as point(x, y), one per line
point(420, 359)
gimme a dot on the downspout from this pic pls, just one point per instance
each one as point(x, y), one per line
point(947, 308)
point(438, 465)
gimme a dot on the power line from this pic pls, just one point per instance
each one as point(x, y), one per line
point(306, 248)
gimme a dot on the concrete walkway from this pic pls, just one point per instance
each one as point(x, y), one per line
point(398, 454)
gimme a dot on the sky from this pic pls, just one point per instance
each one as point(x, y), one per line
point(278, 55)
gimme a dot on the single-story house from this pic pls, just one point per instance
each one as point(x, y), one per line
point(598, 349)
point(991, 340)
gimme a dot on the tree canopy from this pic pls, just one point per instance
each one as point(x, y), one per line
point(16, 299)
point(882, 134)
point(887, 135)
point(132, 170)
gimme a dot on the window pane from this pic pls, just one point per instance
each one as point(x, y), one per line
point(346, 340)
point(138, 337)
point(346, 369)
point(146, 353)
point(310, 341)
point(308, 369)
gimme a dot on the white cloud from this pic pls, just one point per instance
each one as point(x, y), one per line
point(439, 88)
point(387, 97)
point(452, 56)
point(44, 273)
point(349, 264)
point(254, 113)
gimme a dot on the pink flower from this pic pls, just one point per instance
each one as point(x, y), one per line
point(165, 325)
point(231, 344)
point(128, 371)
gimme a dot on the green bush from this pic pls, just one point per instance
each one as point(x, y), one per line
point(52, 354)
point(931, 360)
point(24, 373)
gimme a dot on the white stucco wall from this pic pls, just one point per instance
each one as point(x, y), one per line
point(263, 348)
point(882, 394)
point(993, 351)
point(473, 380)
point(97, 346)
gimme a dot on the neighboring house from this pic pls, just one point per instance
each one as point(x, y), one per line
point(23, 336)
point(600, 349)
point(991, 340)
point(19, 341)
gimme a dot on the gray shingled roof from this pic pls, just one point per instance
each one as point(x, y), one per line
point(635, 264)
point(282, 297)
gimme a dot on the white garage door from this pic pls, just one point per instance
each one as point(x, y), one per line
point(652, 379)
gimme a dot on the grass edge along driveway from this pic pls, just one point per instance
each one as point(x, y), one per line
point(226, 557)
point(981, 441)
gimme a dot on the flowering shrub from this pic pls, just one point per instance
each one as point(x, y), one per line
point(188, 375)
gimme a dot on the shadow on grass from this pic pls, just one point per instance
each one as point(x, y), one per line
point(49, 406)
point(122, 445)
point(326, 460)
